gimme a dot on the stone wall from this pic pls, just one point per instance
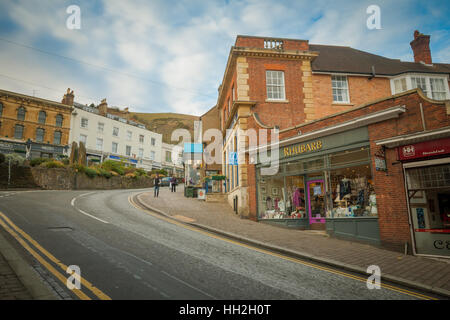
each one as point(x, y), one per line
point(21, 177)
point(65, 179)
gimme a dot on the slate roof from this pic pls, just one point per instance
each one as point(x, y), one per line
point(341, 59)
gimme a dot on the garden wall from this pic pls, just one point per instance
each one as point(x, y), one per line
point(66, 179)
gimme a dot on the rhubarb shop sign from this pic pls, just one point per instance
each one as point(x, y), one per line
point(303, 148)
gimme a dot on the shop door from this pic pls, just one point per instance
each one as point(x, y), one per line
point(316, 201)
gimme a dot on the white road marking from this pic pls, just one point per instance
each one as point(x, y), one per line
point(83, 212)
point(187, 284)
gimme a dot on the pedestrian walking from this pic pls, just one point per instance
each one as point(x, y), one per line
point(173, 182)
point(157, 183)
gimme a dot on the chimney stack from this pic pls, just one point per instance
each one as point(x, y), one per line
point(103, 107)
point(68, 98)
point(421, 48)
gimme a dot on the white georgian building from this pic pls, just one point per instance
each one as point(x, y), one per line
point(108, 136)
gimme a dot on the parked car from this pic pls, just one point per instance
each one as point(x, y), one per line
point(165, 182)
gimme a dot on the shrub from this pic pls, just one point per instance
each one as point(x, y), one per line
point(53, 164)
point(105, 173)
point(140, 173)
point(38, 161)
point(2, 158)
point(90, 172)
point(65, 161)
point(111, 165)
point(15, 159)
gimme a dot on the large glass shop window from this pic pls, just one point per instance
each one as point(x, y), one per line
point(429, 200)
point(352, 192)
point(272, 198)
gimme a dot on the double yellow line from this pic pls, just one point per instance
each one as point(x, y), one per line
point(312, 265)
point(41, 254)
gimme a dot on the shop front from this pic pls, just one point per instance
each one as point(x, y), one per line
point(322, 184)
point(426, 168)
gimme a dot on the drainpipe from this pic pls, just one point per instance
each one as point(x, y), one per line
point(423, 118)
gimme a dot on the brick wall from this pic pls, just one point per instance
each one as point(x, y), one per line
point(361, 90)
point(282, 114)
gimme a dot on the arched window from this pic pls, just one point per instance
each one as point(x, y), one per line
point(57, 137)
point(42, 117)
point(59, 120)
point(1, 109)
point(21, 114)
point(40, 135)
point(18, 131)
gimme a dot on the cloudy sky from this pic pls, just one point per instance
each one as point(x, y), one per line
point(170, 56)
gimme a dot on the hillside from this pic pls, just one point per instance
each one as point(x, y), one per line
point(166, 123)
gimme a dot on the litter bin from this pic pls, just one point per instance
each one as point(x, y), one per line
point(189, 192)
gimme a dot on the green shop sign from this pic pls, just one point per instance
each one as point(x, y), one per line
point(324, 144)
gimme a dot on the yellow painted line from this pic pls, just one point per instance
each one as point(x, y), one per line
point(97, 292)
point(49, 267)
point(312, 265)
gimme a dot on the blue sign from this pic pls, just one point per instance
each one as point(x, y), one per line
point(233, 158)
point(193, 148)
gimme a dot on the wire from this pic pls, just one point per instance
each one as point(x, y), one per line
point(104, 68)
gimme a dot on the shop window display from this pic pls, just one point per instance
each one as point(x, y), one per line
point(272, 195)
point(295, 197)
point(352, 193)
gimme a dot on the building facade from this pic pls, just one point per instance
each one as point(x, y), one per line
point(379, 173)
point(108, 136)
point(33, 127)
point(281, 84)
point(172, 159)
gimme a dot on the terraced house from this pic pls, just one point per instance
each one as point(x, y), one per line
point(329, 158)
point(33, 126)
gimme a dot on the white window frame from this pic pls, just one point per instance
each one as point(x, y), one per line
point(117, 147)
point(86, 121)
point(340, 77)
point(126, 151)
point(129, 135)
point(100, 127)
point(97, 144)
point(280, 87)
point(141, 153)
point(409, 83)
point(141, 138)
point(115, 135)
point(152, 155)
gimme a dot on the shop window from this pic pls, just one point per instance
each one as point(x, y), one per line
point(295, 197)
point(272, 196)
point(428, 190)
point(350, 157)
point(352, 193)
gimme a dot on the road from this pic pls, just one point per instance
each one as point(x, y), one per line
point(125, 253)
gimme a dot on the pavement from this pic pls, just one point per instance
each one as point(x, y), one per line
point(427, 274)
point(18, 281)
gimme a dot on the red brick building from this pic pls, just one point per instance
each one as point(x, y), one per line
point(317, 98)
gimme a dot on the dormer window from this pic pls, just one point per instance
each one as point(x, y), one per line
point(434, 87)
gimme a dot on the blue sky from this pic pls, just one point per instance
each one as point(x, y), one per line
point(170, 56)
